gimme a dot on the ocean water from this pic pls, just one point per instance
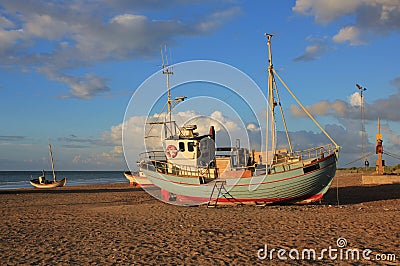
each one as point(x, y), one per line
point(20, 179)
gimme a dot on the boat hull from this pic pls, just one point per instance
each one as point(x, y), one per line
point(53, 184)
point(304, 184)
point(137, 180)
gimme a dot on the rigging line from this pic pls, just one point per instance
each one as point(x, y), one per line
point(391, 155)
point(362, 157)
point(283, 117)
point(337, 190)
point(158, 117)
point(305, 110)
point(394, 154)
point(151, 128)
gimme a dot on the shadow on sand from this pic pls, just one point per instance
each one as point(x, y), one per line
point(360, 194)
point(347, 195)
point(68, 190)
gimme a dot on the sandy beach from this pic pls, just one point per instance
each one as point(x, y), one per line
point(119, 225)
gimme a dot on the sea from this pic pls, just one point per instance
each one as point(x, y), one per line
point(20, 179)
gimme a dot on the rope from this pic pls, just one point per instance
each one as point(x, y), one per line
point(283, 117)
point(305, 110)
point(392, 155)
point(165, 105)
point(337, 191)
point(371, 153)
point(363, 157)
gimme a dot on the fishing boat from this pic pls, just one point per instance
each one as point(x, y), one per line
point(191, 169)
point(42, 182)
point(137, 179)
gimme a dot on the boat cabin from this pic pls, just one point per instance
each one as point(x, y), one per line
point(190, 149)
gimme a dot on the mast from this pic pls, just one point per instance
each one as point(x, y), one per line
point(167, 70)
point(272, 103)
point(271, 100)
point(52, 163)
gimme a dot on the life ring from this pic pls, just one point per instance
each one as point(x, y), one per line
point(171, 151)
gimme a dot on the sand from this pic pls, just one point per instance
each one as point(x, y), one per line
point(120, 225)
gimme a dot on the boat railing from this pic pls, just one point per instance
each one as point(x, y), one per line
point(152, 164)
point(317, 152)
point(153, 155)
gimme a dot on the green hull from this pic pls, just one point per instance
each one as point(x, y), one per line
point(299, 184)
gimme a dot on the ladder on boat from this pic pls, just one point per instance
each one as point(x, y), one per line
point(219, 187)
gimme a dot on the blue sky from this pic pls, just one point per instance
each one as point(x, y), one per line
point(69, 68)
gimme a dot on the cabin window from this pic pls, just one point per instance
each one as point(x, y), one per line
point(190, 146)
point(181, 146)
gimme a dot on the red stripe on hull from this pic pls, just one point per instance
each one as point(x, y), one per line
point(301, 200)
point(141, 185)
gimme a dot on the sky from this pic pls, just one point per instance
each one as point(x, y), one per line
point(70, 68)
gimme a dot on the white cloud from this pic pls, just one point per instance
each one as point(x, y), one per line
point(129, 20)
point(340, 107)
point(319, 108)
point(391, 135)
point(351, 110)
point(45, 26)
point(6, 23)
point(314, 51)
point(369, 18)
point(371, 15)
point(355, 99)
point(348, 115)
point(80, 35)
point(346, 135)
point(228, 124)
point(76, 159)
point(396, 82)
point(12, 138)
point(88, 87)
point(134, 128)
point(85, 87)
point(326, 11)
point(253, 127)
point(351, 34)
point(8, 38)
point(217, 19)
point(217, 119)
point(103, 160)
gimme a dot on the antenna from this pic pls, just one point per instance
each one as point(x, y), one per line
point(162, 58)
point(166, 55)
point(363, 141)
